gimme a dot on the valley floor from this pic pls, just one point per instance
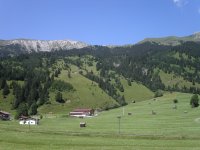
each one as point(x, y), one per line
point(167, 128)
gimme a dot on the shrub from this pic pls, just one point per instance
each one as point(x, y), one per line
point(194, 101)
point(175, 101)
point(158, 93)
point(48, 102)
point(61, 86)
point(59, 98)
point(129, 82)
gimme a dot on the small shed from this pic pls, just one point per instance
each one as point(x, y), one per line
point(82, 124)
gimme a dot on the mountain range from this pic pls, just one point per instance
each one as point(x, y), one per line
point(173, 40)
point(28, 45)
point(19, 46)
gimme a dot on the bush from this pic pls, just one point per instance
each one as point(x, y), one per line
point(158, 93)
point(59, 98)
point(48, 102)
point(129, 82)
point(61, 86)
point(175, 101)
point(194, 101)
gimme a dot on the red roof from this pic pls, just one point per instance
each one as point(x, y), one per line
point(27, 118)
point(76, 113)
point(82, 110)
point(23, 117)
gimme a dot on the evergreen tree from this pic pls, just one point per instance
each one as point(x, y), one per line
point(69, 74)
point(33, 96)
point(59, 98)
point(18, 96)
point(129, 82)
point(6, 90)
point(3, 83)
point(33, 109)
point(21, 110)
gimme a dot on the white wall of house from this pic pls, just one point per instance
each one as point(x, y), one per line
point(29, 122)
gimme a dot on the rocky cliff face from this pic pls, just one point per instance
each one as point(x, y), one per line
point(42, 45)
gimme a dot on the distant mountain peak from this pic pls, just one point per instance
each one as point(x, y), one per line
point(30, 45)
point(196, 35)
point(173, 40)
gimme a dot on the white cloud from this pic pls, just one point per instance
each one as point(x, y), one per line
point(180, 3)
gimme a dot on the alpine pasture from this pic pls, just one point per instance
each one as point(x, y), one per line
point(168, 128)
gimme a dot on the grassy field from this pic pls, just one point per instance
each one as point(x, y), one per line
point(169, 128)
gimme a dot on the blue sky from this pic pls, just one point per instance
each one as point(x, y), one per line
point(102, 22)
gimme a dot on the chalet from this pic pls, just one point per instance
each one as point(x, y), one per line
point(82, 113)
point(28, 121)
point(4, 115)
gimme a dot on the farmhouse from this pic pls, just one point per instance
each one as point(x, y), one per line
point(82, 112)
point(4, 115)
point(28, 121)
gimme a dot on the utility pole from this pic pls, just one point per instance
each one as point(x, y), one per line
point(29, 125)
point(119, 117)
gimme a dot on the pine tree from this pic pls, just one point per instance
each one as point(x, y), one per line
point(3, 83)
point(6, 90)
point(33, 109)
point(21, 110)
point(59, 98)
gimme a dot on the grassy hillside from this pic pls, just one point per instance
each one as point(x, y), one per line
point(136, 92)
point(168, 129)
point(87, 94)
point(172, 80)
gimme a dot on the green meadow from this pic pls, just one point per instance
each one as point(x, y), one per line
point(167, 128)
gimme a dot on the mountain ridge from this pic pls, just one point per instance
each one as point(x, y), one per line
point(20, 46)
point(173, 40)
point(30, 45)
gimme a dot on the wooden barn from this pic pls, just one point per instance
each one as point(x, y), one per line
point(4, 115)
point(82, 113)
